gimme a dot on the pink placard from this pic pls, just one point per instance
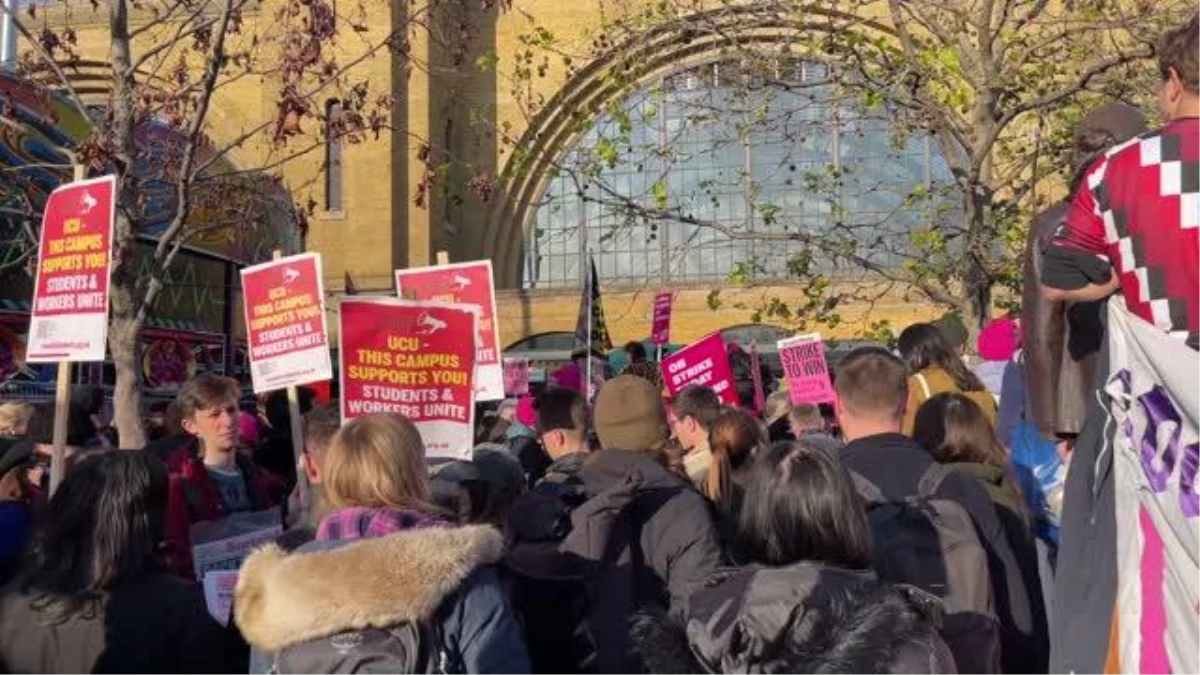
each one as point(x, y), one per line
point(660, 330)
point(805, 369)
point(516, 377)
point(704, 363)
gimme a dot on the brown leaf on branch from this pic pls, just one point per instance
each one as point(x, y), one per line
point(50, 41)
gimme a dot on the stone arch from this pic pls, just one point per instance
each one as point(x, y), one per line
point(553, 130)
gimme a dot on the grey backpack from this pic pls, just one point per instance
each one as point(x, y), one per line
point(408, 647)
point(932, 544)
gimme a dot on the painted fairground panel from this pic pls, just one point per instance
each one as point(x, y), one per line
point(185, 334)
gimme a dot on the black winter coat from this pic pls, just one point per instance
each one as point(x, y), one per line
point(639, 535)
point(159, 625)
point(803, 618)
point(895, 463)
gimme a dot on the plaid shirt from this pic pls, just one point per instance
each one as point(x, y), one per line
point(364, 523)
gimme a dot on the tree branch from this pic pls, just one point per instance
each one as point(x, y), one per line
point(50, 63)
point(194, 139)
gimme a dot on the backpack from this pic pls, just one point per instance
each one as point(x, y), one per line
point(408, 647)
point(573, 579)
point(931, 543)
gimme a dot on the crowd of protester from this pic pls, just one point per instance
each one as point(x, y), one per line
point(893, 529)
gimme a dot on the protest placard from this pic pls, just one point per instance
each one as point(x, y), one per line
point(468, 283)
point(805, 369)
point(516, 377)
point(415, 358)
point(705, 363)
point(223, 544)
point(285, 323)
point(660, 329)
point(69, 318)
point(219, 586)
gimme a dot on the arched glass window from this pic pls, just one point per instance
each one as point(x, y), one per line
point(715, 146)
point(333, 156)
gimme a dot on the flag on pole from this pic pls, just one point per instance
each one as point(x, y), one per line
point(591, 330)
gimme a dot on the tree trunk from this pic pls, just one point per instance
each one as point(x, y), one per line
point(976, 278)
point(126, 320)
point(123, 330)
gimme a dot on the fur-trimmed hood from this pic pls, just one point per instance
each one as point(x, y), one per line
point(282, 599)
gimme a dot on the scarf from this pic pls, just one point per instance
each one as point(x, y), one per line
point(369, 523)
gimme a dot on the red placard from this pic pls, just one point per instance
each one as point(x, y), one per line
point(285, 323)
point(805, 369)
point(704, 363)
point(415, 358)
point(468, 283)
point(660, 330)
point(69, 321)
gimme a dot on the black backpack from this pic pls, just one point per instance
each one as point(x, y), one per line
point(931, 543)
point(574, 567)
point(409, 647)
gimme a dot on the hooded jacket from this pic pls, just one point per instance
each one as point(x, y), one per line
point(620, 524)
point(331, 606)
point(802, 618)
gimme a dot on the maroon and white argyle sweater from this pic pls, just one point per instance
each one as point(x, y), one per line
point(1138, 211)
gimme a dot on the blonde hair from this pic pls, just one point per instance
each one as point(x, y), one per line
point(779, 403)
point(14, 417)
point(377, 461)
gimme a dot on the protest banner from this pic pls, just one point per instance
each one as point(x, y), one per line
point(415, 358)
point(805, 369)
point(219, 586)
point(223, 544)
point(660, 329)
point(516, 377)
point(1153, 398)
point(285, 323)
point(704, 363)
point(468, 283)
point(69, 317)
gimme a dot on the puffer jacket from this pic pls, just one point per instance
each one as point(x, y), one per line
point(605, 535)
point(802, 618)
point(333, 605)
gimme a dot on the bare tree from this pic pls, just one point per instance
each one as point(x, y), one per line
point(989, 89)
point(169, 60)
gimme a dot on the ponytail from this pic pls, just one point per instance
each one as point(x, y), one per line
point(733, 438)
